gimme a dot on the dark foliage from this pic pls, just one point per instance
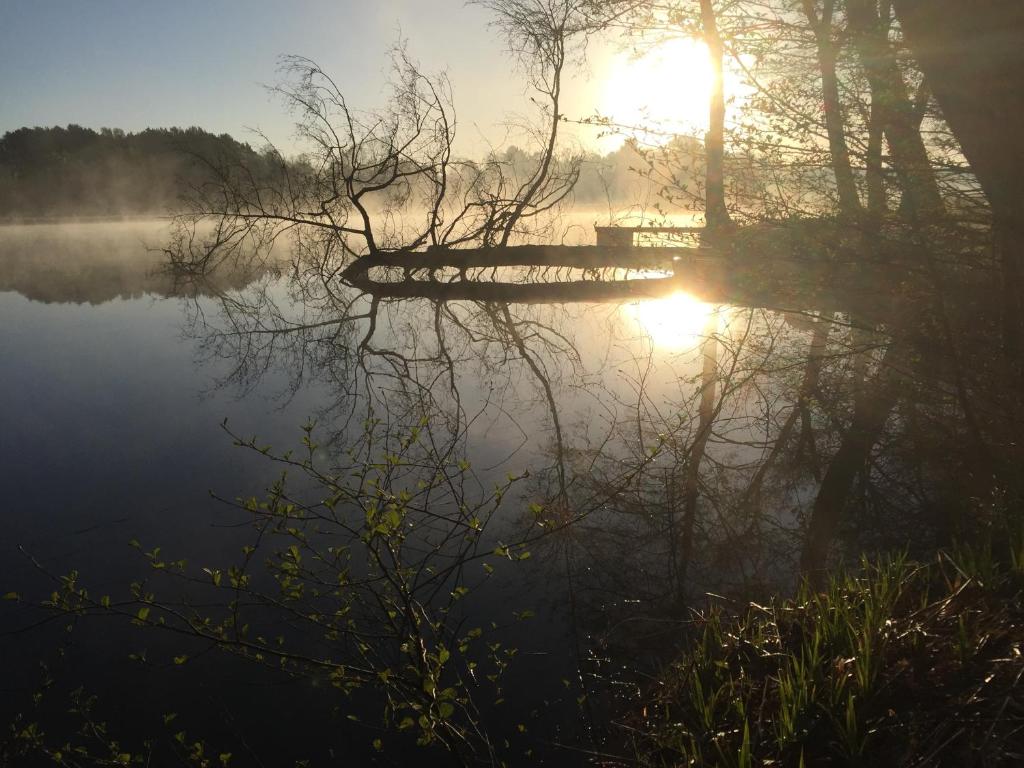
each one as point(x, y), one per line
point(899, 664)
point(76, 171)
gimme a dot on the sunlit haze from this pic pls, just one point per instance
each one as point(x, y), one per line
point(511, 383)
point(673, 323)
point(133, 65)
point(658, 94)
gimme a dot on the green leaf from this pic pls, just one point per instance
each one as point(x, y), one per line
point(143, 613)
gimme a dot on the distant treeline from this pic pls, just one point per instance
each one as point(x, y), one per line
point(48, 173)
point(76, 171)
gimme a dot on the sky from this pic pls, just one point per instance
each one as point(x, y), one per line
point(134, 64)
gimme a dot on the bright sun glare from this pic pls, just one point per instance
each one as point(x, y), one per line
point(676, 322)
point(667, 89)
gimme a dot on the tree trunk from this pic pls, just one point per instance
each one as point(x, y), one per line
point(869, 417)
point(972, 55)
point(750, 504)
point(877, 206)
point(874, 178)
point(706, 419)
point(849, 200)
point(889, 93)
point(715, 212)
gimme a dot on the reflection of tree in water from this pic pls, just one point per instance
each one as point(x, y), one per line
point(417, 287)
point(709, 457)
point(732, 467)
point(421, 293)
point(100, 262)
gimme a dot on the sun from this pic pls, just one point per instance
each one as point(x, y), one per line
point(667, 90)
point(675, 322)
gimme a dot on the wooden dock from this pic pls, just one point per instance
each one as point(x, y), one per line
point(618, 237)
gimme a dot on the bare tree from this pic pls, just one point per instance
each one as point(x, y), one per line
point(379, 183)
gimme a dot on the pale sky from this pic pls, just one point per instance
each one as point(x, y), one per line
point(134, 64)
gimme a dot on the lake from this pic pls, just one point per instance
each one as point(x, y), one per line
point(562, 480)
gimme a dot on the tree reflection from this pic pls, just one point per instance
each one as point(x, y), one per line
point(652, 473)
point(100, 262)
point(757, 402)
point(800, 426)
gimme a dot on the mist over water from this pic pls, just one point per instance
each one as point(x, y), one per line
point(113, 389)
point(120, 377)
point(114, 397)
point(704, 450)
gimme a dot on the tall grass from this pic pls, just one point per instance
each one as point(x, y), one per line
point(895, 663)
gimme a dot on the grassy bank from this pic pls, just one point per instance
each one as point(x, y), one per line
point(898, 663)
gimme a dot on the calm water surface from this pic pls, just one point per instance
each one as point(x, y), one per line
point(117, 378)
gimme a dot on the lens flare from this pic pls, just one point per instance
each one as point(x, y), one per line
point(675, 322)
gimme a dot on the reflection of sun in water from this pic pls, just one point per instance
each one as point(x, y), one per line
point(677, 321)
point(669, 88)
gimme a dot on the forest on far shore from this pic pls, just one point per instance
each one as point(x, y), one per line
point(77, 172)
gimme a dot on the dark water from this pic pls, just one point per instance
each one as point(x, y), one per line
point(117, 379)
point(111, 432)
point(113, 396)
